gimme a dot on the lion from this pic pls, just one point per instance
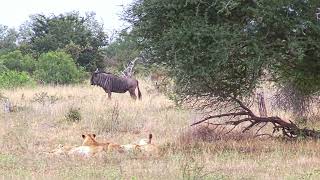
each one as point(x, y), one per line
point(114, 147)
point(131, 148)
point(59, 150)
point(143, 146)
point(89, 147)
point(147, 147)
point(127, 148)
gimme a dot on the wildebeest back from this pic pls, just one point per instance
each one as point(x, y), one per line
point(119, 85)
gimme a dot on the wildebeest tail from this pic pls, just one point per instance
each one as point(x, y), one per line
point(139, 92)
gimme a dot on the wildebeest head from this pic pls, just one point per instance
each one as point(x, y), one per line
point(94, 77)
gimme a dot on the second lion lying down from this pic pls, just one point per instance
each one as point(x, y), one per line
point(91, 147)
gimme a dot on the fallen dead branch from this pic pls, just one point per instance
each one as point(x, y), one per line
point(249, 120)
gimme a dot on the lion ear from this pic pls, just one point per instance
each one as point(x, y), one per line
point(83, 136)
point(94, 135)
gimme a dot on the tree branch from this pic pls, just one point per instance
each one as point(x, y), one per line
point(220, 115)
point(288, 128)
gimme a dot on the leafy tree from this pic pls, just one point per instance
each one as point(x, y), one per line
point(58, 68)
point(121, 51)
point(3, 68)
point(8, 38)
point(11, 79)
point(16, 61)
point(227, 48)
point(49, 33)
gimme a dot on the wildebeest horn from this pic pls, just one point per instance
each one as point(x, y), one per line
point(97, 70)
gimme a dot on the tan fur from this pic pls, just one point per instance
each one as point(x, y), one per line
point(126, 148)
point(58, 151)
point(113, 147)
point(142, 142)
point(149, 148)
point(131, 148)
point(143, 146)
point(86, 151)
point(89, 147)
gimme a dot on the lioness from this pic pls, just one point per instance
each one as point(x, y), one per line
point(147, 147)
point(144, 146)
point(89, 146)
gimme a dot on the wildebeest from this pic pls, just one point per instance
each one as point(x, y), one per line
point(112, 83)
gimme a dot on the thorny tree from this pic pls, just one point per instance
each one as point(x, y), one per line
point(221, 50)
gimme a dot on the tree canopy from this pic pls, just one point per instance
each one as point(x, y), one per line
point(8, 38)
point(227, 48)
point(121, 51)
point(82, 37)
point(57, 68)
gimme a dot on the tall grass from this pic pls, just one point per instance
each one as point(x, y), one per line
point(186, 153)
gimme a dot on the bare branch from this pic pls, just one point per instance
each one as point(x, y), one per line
point(288, 128)
point(220, 115)
point(231, 129)
point(250, 126)
point(244, 107)
point(261, 127)
point(128, 71)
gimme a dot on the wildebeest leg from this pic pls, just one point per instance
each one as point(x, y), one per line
point(132, 93)
point(109, 94)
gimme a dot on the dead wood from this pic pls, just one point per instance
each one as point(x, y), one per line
point(128, 71)
point(249, 120)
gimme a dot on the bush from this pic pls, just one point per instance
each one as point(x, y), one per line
point(2, 67)
point(15, 61)
point(11, 79)
point(58, 68)
point(43, 98)
point(73, 115)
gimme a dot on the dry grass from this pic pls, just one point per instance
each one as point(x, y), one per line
point(42, 122)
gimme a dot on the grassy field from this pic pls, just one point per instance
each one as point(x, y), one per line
point(46, 116)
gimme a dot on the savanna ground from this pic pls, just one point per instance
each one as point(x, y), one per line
point(47, 116)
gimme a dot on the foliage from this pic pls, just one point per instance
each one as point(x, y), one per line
point(43, 97)
point(73, 49)
point(289, 98)
point(227, 48)
point(8, 38)
point(2, 67)
point(73, 115)
point(49, 33)
point(293, 43)
point(16, 61)
point(121, 51)
point(11, 79)
point(58, 68)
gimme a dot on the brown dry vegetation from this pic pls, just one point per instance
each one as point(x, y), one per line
point(42, 120)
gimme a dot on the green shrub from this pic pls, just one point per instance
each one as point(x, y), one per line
point(11, 79)
point(58, 68)
point(15, 61)
point(73, 115)
point(3, 67)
